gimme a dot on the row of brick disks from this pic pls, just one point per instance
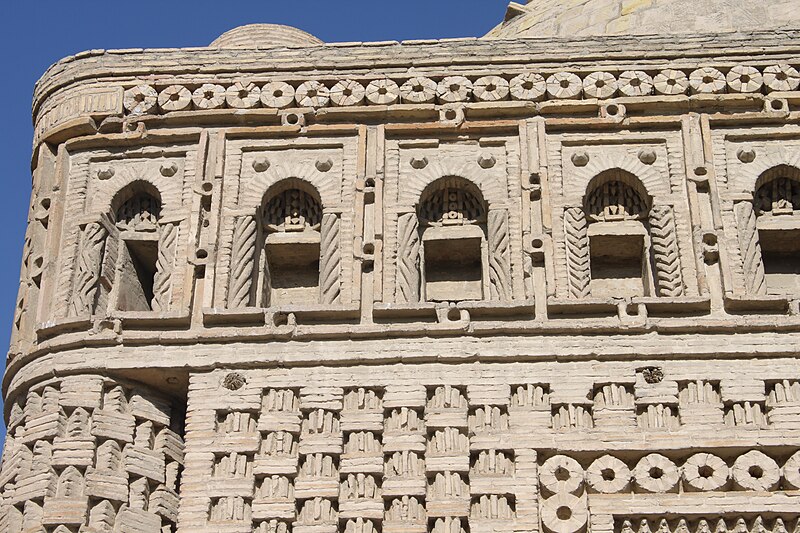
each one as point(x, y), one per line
point(529, 86)
point(563, 479)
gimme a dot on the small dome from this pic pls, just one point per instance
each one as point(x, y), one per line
point(546, 18)
point(264, 36)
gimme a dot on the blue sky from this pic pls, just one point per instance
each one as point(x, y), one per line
point(36, 33)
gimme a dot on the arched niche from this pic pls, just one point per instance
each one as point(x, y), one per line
point(126, 257)
point(452, 217)
point(137, 206)
point(776, 207)
point(651, 180)
point(132, 247)
point(616, 195)
point(617, 208)
point(290, 223)
point(777, 192)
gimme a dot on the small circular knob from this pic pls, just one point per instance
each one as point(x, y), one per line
point(647, 156)
point(324, 165)
point(105, 173)
point(260, 165)
point(169, 169)
point(419, 162)
point(580, 159)
point(746, 155)
point(487, 161)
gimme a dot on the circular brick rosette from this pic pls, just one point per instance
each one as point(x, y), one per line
point(756, 471)
point(608, 475)
point(140, 100)
point(383, 92)
point(600, 85)
point(529, 87)
point(655, 473)
point(209, 96)
point(175, 98)
point(490, 89)
point(705, 472)
point(312, 94)
point(454, 89)
point(347, 93)
point(242, 95)
point(671, 82)
point(418, 90)
point(561, 474)
point(564, 513)
point(277, 95)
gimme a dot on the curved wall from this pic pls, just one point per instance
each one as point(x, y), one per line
point(440, 286)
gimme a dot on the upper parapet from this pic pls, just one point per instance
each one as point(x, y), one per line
point(77, 94)
point(542, 18)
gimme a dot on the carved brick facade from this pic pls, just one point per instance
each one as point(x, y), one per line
point(463, 286)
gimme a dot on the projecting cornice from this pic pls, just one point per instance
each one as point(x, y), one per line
point(93, 84)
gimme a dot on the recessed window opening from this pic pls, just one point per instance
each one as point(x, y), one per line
point(137, 256)
point(453, 269)
point(777, 207)
point(137, 275)
point(452, 217)
point(291, 220)
point(780, 251)
point(617, 263)
point(617, 209)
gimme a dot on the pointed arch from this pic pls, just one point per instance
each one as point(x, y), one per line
point(78, 424)
point(109, 456)
point(71, 484)
point(139, 494)
point(50, 399)
point(33, 404)
point(102, 517)
point(32, 514)
point(16, 416)
point(144, 435)
point(115, 399)
point(42, 454)
point(23, 457)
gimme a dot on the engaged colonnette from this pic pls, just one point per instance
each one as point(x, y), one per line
point(546, 280)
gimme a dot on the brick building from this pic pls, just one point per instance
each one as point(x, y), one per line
point(544, 280)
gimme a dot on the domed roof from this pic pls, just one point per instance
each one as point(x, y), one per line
point(264, 36)
point(580, 18)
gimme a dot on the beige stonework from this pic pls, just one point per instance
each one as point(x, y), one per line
point(509, 285)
